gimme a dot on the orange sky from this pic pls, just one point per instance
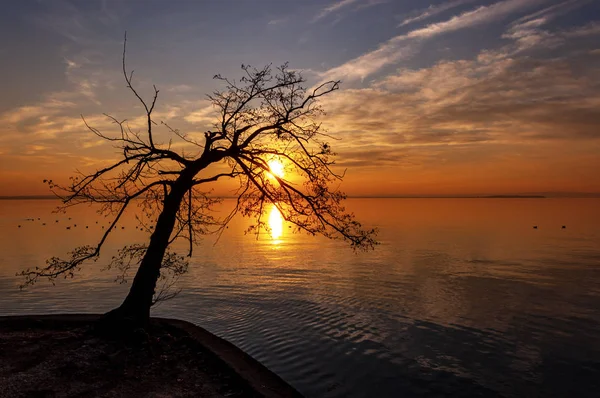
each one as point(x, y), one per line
point(460, 98)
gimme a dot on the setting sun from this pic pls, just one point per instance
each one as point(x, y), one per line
point(276, 168)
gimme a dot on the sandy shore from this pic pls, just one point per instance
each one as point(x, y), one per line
point(59, 356)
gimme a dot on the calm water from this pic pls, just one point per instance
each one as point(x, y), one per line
point(462, 297)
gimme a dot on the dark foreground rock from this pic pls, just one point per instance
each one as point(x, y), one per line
point(62, 356)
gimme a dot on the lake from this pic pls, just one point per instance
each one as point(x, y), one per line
point(462, 297)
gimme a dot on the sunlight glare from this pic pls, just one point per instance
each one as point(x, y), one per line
point(276, 168)
point(275, 222)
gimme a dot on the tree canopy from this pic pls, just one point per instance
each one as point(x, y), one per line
point(266, 117)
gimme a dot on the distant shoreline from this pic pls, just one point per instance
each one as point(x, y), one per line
point(27, 197)
point(548, 196)
point(513, 197)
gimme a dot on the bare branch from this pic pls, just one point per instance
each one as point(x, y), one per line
point(267, 114)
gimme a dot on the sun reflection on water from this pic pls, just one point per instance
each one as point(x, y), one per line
point(275, 223)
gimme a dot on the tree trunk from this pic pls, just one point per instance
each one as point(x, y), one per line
point(135, 310)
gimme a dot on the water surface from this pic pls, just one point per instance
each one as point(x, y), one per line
point(462, 297)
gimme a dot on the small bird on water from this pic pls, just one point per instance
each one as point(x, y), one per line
point(535, 227)
point(564, 227)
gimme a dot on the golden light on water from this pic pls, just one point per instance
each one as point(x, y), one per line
point(275, 222)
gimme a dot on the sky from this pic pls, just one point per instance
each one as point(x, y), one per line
point(438, 97)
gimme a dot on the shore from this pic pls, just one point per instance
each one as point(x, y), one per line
point(58, 356)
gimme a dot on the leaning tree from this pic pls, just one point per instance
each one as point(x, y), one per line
point(267, 114)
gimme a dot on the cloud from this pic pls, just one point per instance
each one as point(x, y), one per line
point(553, 11)
point(86, 45)
point(591, 29)
point(370, 155)
point(404, 46)
point(433, 11)
point(179, 88)
point(71, 64)
point(478, 16)
point(278, 21)
point(93, 143)
point(528, 33)
point(367, 64)
point(84, 84)
point(370, 3)
point(493, 100)
point(205, 113)
point(49, 107)
point(332, 8)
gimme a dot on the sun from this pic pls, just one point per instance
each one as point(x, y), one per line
point(276, 168)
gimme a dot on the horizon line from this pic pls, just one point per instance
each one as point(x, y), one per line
point(541, 195)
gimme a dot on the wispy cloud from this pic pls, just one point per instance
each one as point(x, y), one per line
point(528, 31)
point(203, 114)
point(180, 88)
point(332, 8)
point(478, 16)
point(84, 50)
point(553, 11)
point(530, 34)
point(48, 107)
point(359, 68)
point(403, 46)
point(371, 3)
point(593, 28)
point(501, 97)
point(277, 21)
point(468, 103)
point(433, 10)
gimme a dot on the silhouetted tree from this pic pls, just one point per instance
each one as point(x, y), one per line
point(267, 114)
